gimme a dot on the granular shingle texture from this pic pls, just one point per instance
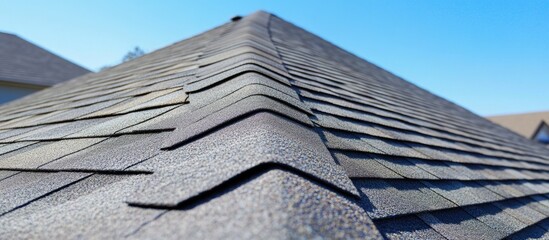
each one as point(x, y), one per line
point(258, 129)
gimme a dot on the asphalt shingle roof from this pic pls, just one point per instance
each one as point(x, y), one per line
point(24, 62)
point(259, 129)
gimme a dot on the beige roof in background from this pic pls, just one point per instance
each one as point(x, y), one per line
point(524, 124)
point(258, 129)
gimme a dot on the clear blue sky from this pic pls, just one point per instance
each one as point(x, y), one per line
point(490, 56)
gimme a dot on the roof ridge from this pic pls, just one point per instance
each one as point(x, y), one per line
point(312, 117)
point(254, 83)
point(235, 182)
point(240, 128)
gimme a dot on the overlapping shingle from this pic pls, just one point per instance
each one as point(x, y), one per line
point(411, 153)
point(259, 129)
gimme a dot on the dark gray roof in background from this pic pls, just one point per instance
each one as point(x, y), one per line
point(24, 62)
point(259, 129)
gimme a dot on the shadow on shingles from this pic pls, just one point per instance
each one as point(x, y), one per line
point(534, 231)
point(364, 202)
point(241, 179)
point(403, 224)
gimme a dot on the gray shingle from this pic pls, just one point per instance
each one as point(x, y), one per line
point(409, 227)
point(389, 198)
point(364, 166)
point(250, 143)
point(259, 129)
point(231, 113)
point(520, 211)
point(463, 193)
point(532, 232)
point(43, 153)
point(275, 205)
point(115, 153)
point(24, 62)
point(8, 147)
point(458, 224)
point(6, 174)
point(118, 123)
point(100, 213)
point(495, 218)
point(23, 188)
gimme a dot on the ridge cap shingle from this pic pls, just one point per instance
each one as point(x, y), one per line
point(259, 129)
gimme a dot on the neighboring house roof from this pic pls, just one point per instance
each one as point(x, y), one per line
point(524, 124)
point(542, 133)
point(258, 129)
point(26, 63)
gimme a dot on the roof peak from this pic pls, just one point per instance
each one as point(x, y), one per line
point(254, 129)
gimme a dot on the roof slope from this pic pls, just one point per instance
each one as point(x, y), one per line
point(524, 124)
point(259, 129)
point(24, 62)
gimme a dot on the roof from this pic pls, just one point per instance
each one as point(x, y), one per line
point(542, 133)
point(260, 129)
point(524, 124)
point(26, 63)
